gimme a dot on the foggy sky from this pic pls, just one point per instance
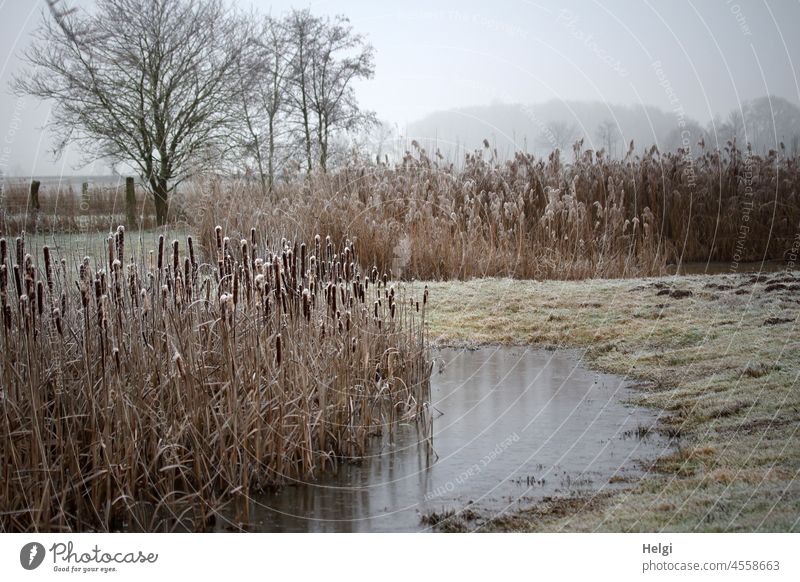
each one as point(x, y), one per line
point(704, 57)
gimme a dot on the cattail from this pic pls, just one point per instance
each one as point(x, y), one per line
point(3, 251)
point(3, 284)
point(425, 296)
point(192, 259)
point(48, 267)
point(110, 249)
point(218, 235)
point(160, 253)
point(121, 243)
point(278, 349)
point(175, 257)
point(20, 250)
point(245, 254)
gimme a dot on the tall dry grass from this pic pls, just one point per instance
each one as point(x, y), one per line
point(146, 393)
point(530, 217)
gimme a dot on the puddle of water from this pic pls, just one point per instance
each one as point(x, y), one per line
point(516, 425)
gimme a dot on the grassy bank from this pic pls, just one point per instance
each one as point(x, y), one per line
point(719, 355)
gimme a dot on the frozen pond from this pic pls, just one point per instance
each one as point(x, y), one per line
point(512, 425)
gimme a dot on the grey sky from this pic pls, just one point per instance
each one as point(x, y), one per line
point(440, 55)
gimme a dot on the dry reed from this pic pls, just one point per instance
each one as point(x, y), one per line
point(535, 218)
point(145, 393)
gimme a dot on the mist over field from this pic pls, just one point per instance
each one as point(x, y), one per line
point(455, 73)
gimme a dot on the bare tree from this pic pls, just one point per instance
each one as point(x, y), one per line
point(768, 121)
point(304, 28)
point(608, 135)
point(139, 82)
point(263, 101)
point(557, 134)
point(327, 56)
point(340, 57)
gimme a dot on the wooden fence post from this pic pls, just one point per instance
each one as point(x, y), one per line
point(33, 200)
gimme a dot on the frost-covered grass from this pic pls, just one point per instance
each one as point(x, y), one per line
point(722, 364)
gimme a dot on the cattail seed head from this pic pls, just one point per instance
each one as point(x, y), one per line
point(20, 250)
point(121, 243)
point(48, 267)
point(218, 235)
point(160, 252)
point(175, 257)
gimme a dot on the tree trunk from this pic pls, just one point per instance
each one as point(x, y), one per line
point(306, 127)
point(321, 140)
point(130, 203)
point(307, 134)
point(161, 199)
point(271, 160)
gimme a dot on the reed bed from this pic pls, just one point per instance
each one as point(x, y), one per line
point(535, 218)
point(152, 392)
